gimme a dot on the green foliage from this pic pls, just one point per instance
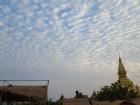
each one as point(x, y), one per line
point(114, 92)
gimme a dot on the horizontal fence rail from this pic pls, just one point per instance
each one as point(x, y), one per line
point(7, 81)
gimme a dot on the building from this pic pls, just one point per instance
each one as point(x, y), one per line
point(27, 94)
point(93, 96)
point(123, 80)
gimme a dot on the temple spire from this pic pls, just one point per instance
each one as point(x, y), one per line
point(121, 69)
point(120, 60)
point(123, 80)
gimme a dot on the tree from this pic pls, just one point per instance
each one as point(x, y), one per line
point(116, 91)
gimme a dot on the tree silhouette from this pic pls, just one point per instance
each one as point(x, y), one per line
point(116, 91)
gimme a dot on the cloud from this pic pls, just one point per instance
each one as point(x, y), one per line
point(1, 24)
point(56, 37)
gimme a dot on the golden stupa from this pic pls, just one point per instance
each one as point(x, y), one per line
point(123, 80)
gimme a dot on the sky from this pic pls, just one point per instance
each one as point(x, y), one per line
point(73, 43)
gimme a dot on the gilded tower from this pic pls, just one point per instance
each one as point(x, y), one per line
point(123, 80)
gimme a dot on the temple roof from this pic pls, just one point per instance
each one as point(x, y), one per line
point(29, 91)
point(121, 69)
point(123, 80)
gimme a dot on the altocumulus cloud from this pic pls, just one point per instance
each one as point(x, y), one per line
point(63, 40)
